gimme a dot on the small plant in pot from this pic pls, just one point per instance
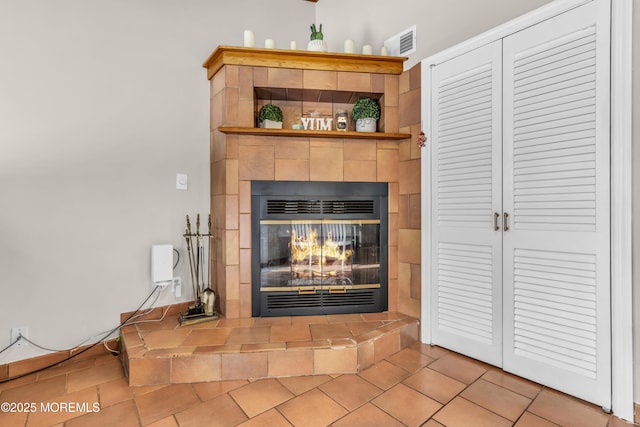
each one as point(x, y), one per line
point(366, 113)
point(270, 117)
point(316, 40)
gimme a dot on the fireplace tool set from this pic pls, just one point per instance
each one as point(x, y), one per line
point(203, 308)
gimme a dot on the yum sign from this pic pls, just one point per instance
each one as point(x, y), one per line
point(317, 123)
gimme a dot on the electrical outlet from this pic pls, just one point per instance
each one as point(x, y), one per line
point(177, 286)
point(16, 332)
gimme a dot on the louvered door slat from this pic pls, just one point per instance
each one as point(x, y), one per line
point(563, 70)
point(459, 125)
point(539, 72)
point(577, 138)
point(466, 185)
point(471, 108)
point(571, 112)
point(467, 147)
point(464, 159)
point(558, 155)
point(555, 107)
point(558, 88)
point(565, 47)
point(556, 255)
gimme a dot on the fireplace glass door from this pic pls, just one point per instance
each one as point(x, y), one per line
point(318, 248)
point(308, 256)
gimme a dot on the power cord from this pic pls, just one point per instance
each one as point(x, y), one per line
point(178, 258)
point(39, 346)
point(12, 344)
point(114, 352)
point(78, 353)
point(71, 350)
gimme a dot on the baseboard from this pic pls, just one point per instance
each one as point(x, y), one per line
point(158, 312)
point(24, 367)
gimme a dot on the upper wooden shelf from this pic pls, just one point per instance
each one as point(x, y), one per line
point(302, 59)
point(313, 133)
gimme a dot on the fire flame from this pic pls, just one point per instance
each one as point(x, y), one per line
point(309, 248)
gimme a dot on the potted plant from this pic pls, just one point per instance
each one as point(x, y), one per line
point(316, 42)
point(366, 112)
point(270, 117)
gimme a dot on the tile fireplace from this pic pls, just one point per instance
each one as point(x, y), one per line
point(242, 154)
point(318, 248)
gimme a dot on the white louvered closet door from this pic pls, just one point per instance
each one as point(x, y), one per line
point(466, 190)
point(556, 192)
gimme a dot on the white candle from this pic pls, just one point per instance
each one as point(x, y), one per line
point(367, 49)
point(349, 46)
point(293, 45)
point(249, 38)
point(384, 51)
point(270, 44)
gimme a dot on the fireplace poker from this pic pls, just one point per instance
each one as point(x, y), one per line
point(200, 268)
point(204, 298)
point(187, 237)
point(209, 255)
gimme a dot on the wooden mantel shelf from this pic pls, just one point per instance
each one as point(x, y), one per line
point(312, 133)
point(302, 59)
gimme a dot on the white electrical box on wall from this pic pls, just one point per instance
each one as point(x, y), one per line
point(162, 264)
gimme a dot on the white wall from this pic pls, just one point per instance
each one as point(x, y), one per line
point(440, 23)
point(101, 104)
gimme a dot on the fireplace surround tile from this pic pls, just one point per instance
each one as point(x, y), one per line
point(245, 299)
point(273, 321)
point(335, 361)
point(357, 82)
point(245, 197)
point(256, 162)
point(387, 167)
point(237, 366)
point(329, 331)
point(361, 150)
point(378, 83)
point(284, 77)
point(360, 170)
point(270, 346)
point(238, 159)
point(286, 363)
point(293, 149)
point(285, 333)
point(200, 337)
point(255, 348)
point(292, 170)
point(196, 368)
point(315, 79)
point(391, 90)
point(326, 162)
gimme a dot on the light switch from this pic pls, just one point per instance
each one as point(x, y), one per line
point(181, 181)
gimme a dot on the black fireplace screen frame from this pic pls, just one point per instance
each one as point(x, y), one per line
point(318, 200)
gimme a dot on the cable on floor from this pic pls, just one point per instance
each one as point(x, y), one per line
point(81, 351)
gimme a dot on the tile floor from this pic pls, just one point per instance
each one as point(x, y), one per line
point(417, 386)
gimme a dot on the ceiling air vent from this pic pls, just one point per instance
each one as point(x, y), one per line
point(402, 44)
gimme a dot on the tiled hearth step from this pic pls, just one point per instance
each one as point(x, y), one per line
point(162, 352)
